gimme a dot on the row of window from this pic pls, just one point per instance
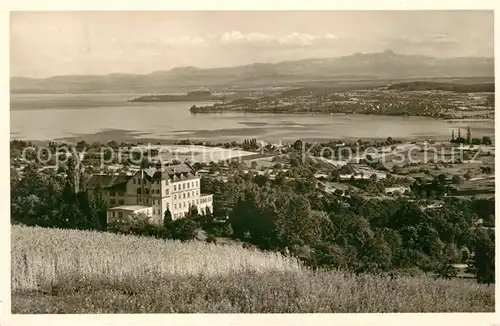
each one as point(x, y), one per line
point(187, 204)
point(158, 202)
point(179, 215)
point(117, 193)
point(119, 214)
point(153, 191)
point(120, 201)
point(192, 184)
point(189, 194)
point(188, 185)
point(140, 202)
point(139, 181)
point(144, 181)
point(206, 200)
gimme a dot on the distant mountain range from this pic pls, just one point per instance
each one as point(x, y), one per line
point(384, 65)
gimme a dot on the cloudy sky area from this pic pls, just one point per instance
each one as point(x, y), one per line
point(49, 44)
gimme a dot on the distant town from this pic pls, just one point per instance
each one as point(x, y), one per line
point(428, 101)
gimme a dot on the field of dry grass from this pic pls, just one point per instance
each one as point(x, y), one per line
point(42, 257)
point(67, 271)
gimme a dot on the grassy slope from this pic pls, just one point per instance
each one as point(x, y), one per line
point(57, 271)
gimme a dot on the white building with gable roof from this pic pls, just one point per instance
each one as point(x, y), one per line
point(153, 190)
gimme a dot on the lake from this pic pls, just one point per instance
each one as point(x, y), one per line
point(109, 116)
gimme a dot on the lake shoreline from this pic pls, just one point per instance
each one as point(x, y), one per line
point(128, 137)
point(299, 113)
point(105, 118)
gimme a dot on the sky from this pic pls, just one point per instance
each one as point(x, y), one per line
point(44, 44)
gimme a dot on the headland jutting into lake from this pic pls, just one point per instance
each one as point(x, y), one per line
point(427, 99)
point(189, 97)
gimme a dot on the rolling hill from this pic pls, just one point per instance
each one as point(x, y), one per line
point(426, 85)
point(374, 66)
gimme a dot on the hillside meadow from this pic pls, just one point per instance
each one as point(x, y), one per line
point(70, 271)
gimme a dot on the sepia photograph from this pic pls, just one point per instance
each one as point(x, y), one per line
point(225, 161)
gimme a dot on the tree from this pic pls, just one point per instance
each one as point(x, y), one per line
point(464, 255)
point(81, 145)
point(456, 180)
point(486, 140)
point(451, 253)
point(97, 210)
point(298, 145)
point(207, 217)
point(329, 255)
point(254, 217)
point(441, 179)
point(73, 173)
point(295, 161)
point(145, 163)
point(380, 253)
point(486, 169)
point(167, 218)
point(484, 258)
point(476, 141)
point(113, 144)
point(334, 175)
point(296, 224)
point(347, 169)
point(193, 212)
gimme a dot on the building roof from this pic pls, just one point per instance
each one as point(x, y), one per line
point(105, 181)
point(178, 172)
point(131, 208)
point(400, 188)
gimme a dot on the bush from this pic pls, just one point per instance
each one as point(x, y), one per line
point(446, 271)
point(221, 230)
point(184, 229)
point(211, 239)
